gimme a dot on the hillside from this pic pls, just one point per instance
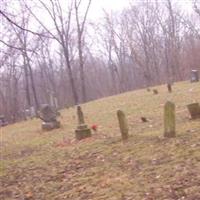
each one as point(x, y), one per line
point(53, 166)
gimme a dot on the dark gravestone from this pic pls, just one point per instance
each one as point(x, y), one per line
point(3, 121)
point(169, 120)
point(194, 110)
point(155, 91)
point(144, 119)
point(48, 116)
point(169, 87)
point(194, 76)
point(82, 130)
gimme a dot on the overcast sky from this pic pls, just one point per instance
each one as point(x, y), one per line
point(116, 5)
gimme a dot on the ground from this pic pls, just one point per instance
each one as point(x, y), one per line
point(37, 165)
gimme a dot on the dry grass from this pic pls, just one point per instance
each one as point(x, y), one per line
point(52, 165)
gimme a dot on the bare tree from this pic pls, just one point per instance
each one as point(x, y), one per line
point(63, 35)
point(80, 40)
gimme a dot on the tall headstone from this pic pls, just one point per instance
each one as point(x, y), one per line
point(169, 87)
point(123, 124)
point(48, 116)
point(80, 115)
point(82, 130)
point(56, 103)
point(32, 112)
point(194, 110)
point(169, 120)
point(194, 76)
point(53, 100)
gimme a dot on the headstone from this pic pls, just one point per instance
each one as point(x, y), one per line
point(144, 119)
point(169, 120)
point(48, 116)
point(32, 112)
point(82, 130)
point(3, 121)
point(148, 89)
point(56, 102)
point(169, 87)
point(123, 124)
point(194, 76)
point(53, 100)
point(27, 114)
point(194, 110)
point(155, 91)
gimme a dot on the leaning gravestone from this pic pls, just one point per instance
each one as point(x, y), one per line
point(194, 110)
point(48, 116)
point(123, 124)
point(169, 120)
point(82, 130)
point(194, 76)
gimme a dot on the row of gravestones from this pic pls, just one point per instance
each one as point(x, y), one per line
point(194, 78)
point(51, 122)
point(48, 115)
point(169, 119)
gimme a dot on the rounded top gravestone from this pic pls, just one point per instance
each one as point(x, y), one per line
point(47, 114)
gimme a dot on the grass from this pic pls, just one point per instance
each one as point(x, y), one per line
point(52, 165)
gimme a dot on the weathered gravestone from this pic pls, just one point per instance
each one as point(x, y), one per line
point(48, 116)
point(194, 76)
point(53, 100)
point(30, 113)
point(155, 91)
point(123, 124)
point(194, 110)
point(3, 121)
point(169, 120)
point(169, 87)
point(27, 114)
point(82, 130)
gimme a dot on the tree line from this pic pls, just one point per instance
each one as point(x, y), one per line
point(52, 49)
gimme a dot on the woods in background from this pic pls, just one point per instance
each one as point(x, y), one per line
point(67, 58)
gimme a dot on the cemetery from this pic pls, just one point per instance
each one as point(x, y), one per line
point(103, 149)
point(100, 100)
